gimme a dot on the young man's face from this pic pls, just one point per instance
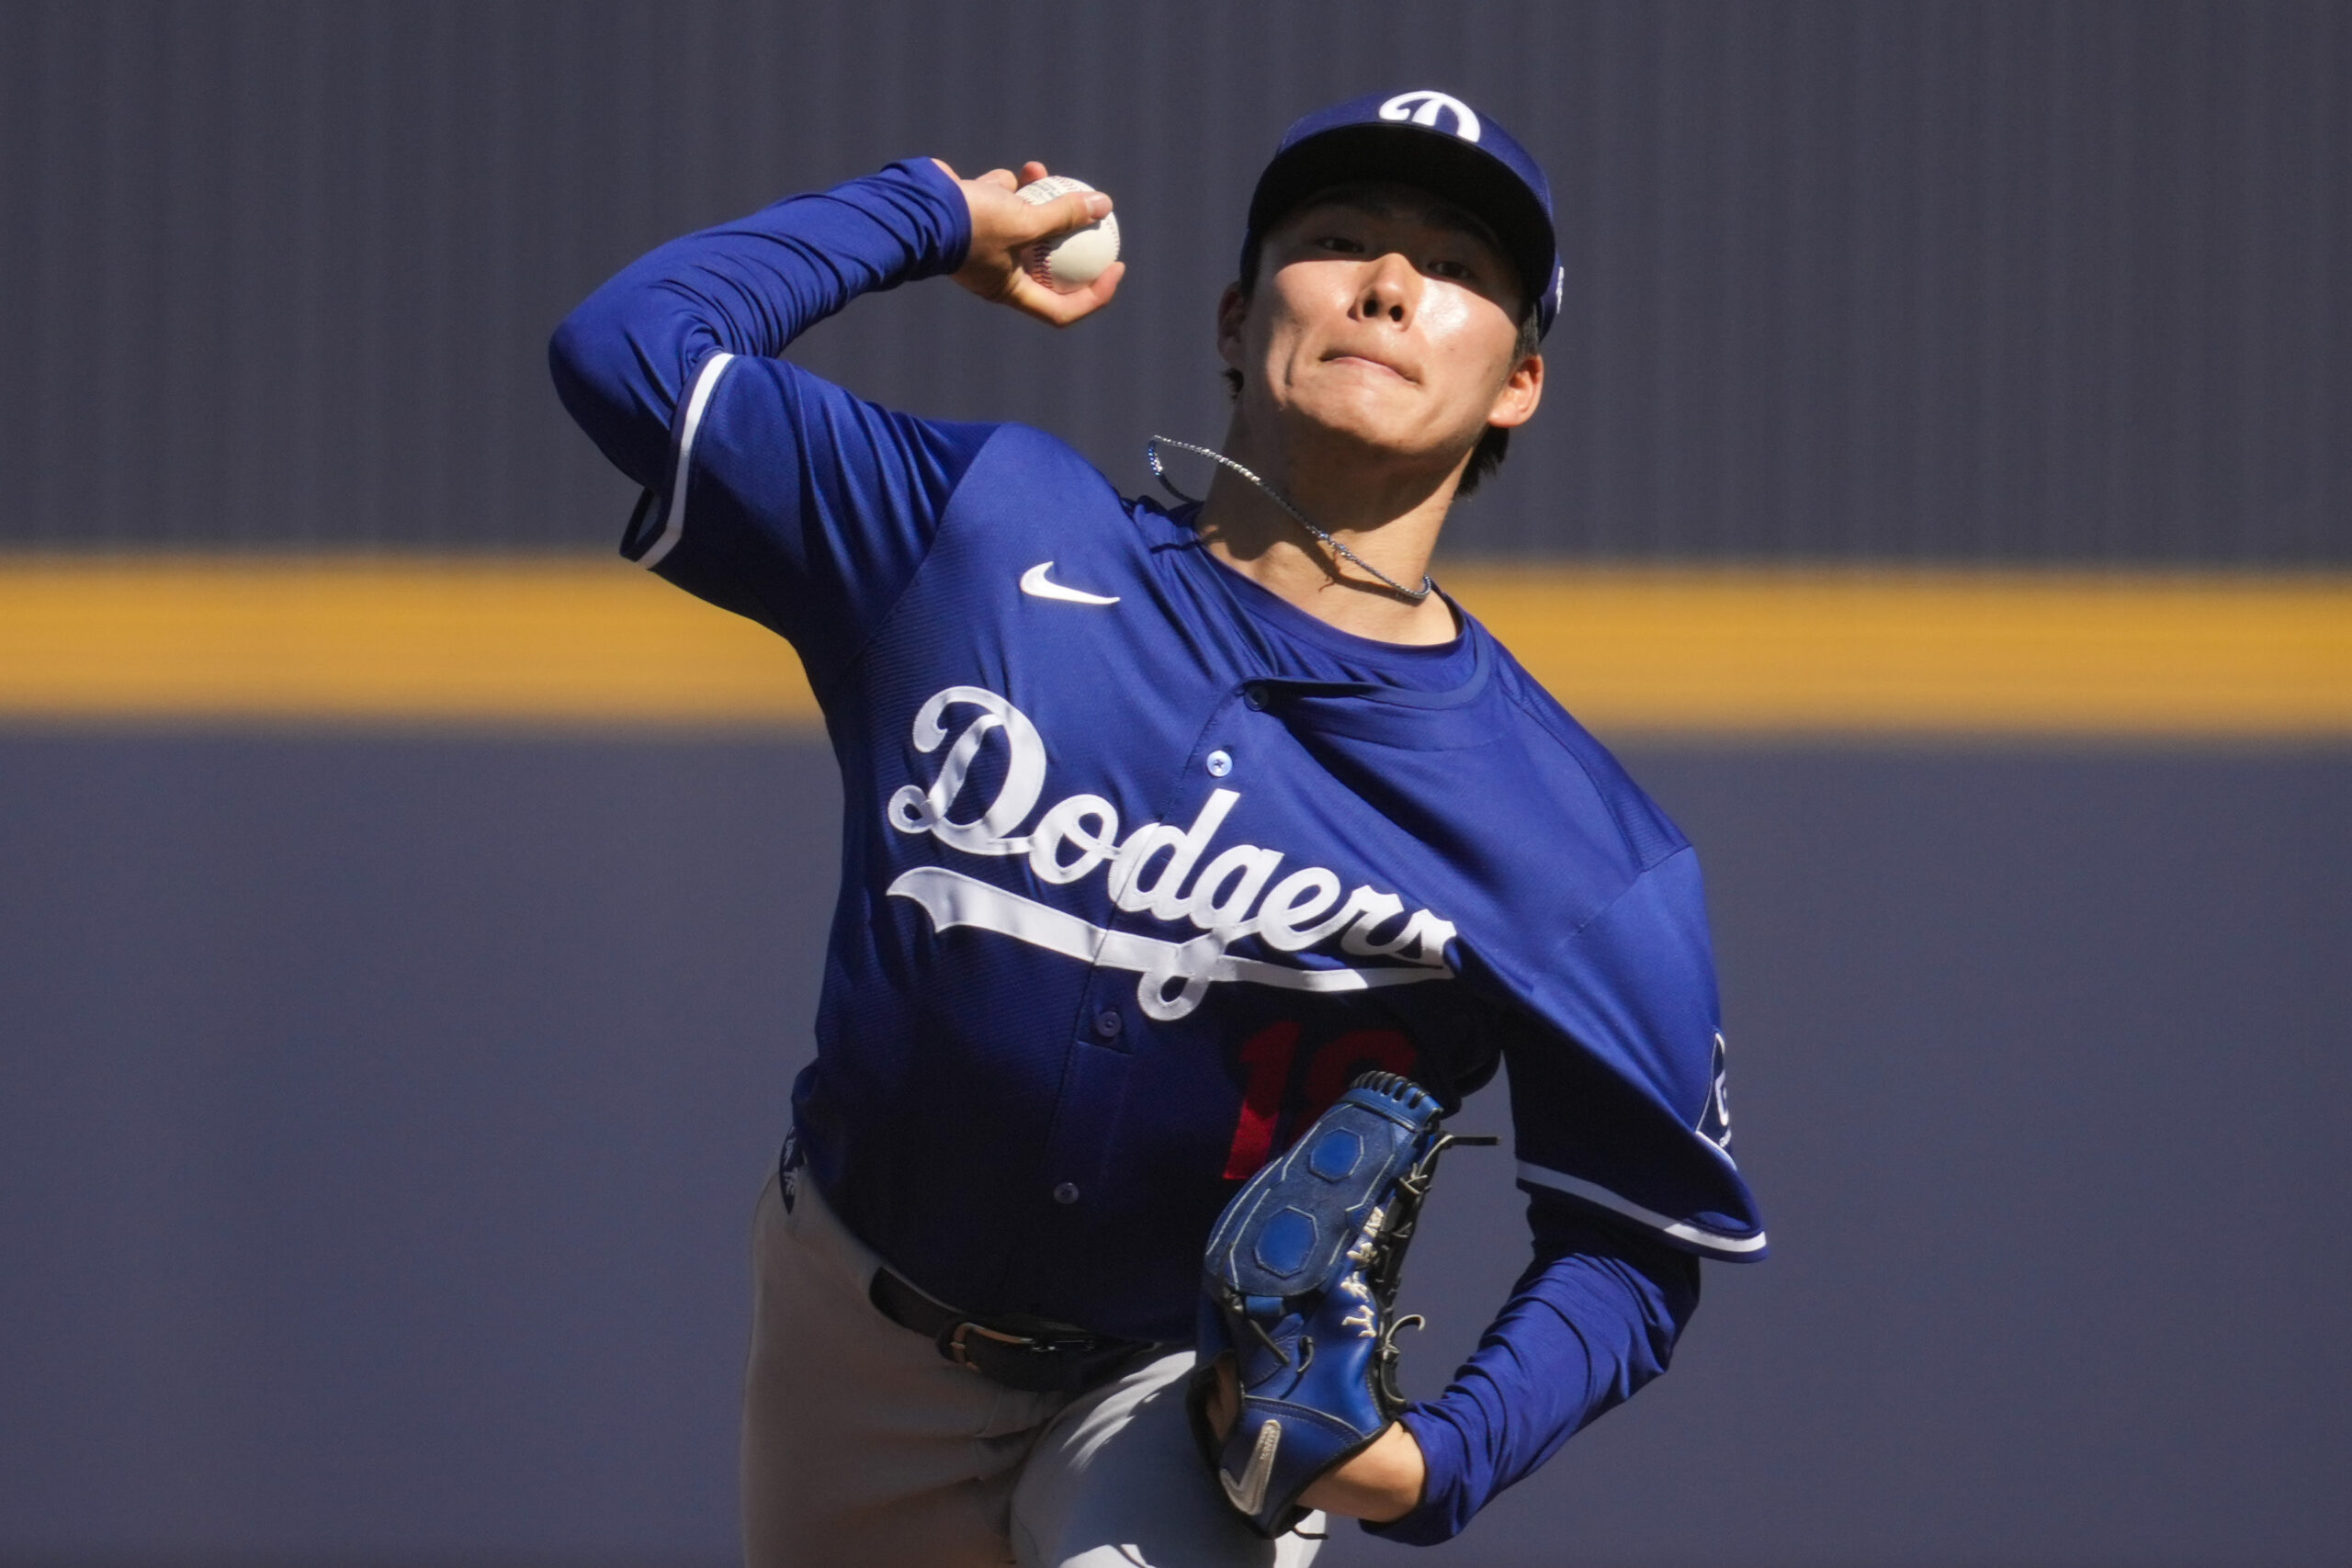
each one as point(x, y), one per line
point(1384, 316)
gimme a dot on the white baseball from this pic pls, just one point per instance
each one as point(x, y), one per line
point(1070, 262)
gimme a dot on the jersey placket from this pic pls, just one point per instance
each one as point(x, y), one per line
point(1112, 1027)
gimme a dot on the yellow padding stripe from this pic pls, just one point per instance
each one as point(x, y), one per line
point(1934, 653)
point(550, 639)
point(1705, 651)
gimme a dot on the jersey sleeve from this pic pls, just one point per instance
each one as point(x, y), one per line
point(1595, 1316)
point(1615, 1065)
point(768, 491)
point(1618, 1093)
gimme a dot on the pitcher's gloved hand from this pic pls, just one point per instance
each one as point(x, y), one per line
point(1299, 1291)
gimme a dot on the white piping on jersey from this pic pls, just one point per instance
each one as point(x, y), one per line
point(1156, 868)
point(1681, 1230)
point(952, 899)
point(674, 525)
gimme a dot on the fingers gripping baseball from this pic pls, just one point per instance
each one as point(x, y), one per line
point(1004, 229)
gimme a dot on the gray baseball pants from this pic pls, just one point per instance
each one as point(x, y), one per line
point(863, 1445)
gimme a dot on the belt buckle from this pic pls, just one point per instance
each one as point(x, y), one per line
point(956, 1350)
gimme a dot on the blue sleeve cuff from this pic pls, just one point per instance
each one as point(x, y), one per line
point(951, 214)
point(1440, 1515)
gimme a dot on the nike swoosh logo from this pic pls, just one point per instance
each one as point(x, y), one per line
point(1250, 1496)
point(1034, 583)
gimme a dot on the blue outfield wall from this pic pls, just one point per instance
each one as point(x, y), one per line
point(383, 1115)
point(1934, 280)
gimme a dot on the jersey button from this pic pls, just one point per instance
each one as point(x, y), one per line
point(1220, 763)
point(1066, 1194)
point(1108, 1023)
point(1255, 696)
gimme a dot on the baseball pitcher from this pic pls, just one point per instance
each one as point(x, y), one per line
point(1199, 858)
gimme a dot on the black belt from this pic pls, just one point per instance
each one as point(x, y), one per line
point(1027, 1353)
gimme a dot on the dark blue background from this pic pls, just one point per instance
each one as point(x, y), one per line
point(1940, 279)
point(382, 1118)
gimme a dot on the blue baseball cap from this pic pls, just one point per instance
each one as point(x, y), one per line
point(1436, 142)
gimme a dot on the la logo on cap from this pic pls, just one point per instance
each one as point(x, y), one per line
point(1424, 106)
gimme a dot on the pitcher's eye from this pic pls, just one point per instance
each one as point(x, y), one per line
point(1340, 245)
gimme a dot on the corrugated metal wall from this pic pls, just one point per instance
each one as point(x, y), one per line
point(2023, 281)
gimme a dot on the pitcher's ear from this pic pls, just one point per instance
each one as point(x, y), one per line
point(1521, 391)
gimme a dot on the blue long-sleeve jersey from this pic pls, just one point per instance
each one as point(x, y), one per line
point(1142, 864)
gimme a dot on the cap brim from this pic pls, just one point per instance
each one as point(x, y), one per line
point(1445, 164)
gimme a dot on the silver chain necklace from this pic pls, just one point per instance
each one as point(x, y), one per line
point(1151, 456)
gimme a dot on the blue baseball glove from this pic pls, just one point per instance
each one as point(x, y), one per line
point(1300, 1288)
